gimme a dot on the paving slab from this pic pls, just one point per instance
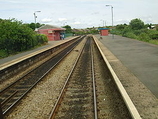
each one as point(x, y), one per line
point(139, 57)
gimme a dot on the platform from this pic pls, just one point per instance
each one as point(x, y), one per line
point(118, 52)
point(14, 57)
point(139, 57)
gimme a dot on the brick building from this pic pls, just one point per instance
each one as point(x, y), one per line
point(53, 33)
point(104, 31)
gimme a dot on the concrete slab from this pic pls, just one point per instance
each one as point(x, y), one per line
point(139, 57)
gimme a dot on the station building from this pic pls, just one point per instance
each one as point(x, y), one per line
point(53, 33)
point(104, 31)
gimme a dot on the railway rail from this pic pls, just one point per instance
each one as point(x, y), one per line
point(76, 98)
point(12, 94)
point(90, 92)
point(11, 69)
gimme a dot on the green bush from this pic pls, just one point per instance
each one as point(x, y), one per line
point(153, 34)
point(154, 42)
point(17, 37)
point(3, 54)
point(144, 37)
point(117, 32)
point(126, 30)
point(157, 27)
point(130, 35)
point(41, 39)
point(137, 30)
point(136, 24)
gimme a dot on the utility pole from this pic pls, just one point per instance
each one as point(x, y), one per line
point(35, 17)
point(112, 18)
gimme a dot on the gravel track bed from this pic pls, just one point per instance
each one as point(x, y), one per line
point(78, 99)
point(109, 101)
point(40, 101)
point(23, 72)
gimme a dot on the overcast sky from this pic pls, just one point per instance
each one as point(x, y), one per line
point(80, 13)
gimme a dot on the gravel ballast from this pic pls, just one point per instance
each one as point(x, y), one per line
point(40, 101)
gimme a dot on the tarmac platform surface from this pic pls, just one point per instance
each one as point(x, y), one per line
point(139, 57)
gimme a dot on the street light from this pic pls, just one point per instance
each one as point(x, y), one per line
point(112, 17)
point(104, 23)
point(35, 17)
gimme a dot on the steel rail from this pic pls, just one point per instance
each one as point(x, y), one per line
point(56, 107)
point(94, 86)
point(63, 90)
point(27, 91)
point(128, 102)
point(7, 99)
point(13, 83)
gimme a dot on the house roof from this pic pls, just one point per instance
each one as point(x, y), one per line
point(51, 27)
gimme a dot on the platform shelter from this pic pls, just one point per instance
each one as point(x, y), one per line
point(53, 33)
point(104, 31)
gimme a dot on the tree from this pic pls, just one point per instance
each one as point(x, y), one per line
point(32, 25)
point(121, 26)
point(16, 36)
point(68, 29)
point(157, 27)
point(136, 24)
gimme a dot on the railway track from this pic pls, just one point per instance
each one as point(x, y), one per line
point(11, 95)
point(109, 101)
point(90, 91)
point(76, 98)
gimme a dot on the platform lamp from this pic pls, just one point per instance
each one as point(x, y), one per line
point(112, 17)
point(35, 17)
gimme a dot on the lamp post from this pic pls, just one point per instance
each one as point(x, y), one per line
point(112, 17)
point(103, 22)
point(35, 17)
point(65, 23)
